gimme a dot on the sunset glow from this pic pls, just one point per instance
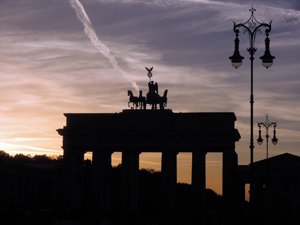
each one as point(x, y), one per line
point(51, 64)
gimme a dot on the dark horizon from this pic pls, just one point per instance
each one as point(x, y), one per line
point(40, 206)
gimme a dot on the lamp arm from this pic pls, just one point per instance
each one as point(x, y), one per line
point(252, 33)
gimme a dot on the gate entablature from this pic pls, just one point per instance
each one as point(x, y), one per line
point(151, 130)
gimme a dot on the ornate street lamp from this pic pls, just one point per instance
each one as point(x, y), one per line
point(267, 124)
point(236, 58)
point(267, 58)
point(252, 26)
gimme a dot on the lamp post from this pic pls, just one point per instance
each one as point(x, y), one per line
point(267, 124)
point(252, 26)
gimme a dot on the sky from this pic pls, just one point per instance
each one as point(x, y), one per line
point(71, 56)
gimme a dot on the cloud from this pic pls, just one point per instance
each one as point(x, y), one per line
point(48, 66)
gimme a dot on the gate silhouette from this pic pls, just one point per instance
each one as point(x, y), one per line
point(134, 131)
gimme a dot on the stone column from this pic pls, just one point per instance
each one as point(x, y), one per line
point(130, 170)
point(240, 193)
point(102, 179)
point(72, 177)
point(198, 178)
point(229, 178)
point(169, 178)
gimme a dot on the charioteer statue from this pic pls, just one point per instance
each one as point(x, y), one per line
point(152, 98)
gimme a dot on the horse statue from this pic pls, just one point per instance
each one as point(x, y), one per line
point(137, 102)
point(153, 99)
point(133, 99)
point(164, 99)
point(142, 100)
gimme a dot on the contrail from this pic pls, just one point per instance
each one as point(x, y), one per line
point(103, 49)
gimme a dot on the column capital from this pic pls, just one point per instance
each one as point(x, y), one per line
point(169, 151)
point(74, 149)
point(228, 149)
point(199, 151)
point(103, 150)
point(131, 150)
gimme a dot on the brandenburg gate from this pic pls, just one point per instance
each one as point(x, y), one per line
point(134, 131)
